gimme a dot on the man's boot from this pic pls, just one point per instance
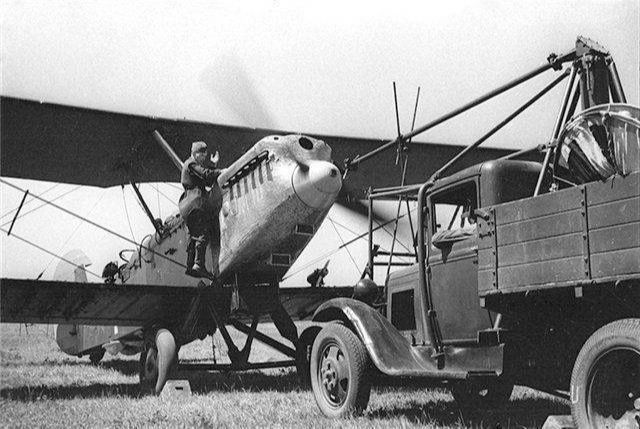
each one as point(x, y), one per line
point(191, 258)
point(199, 267)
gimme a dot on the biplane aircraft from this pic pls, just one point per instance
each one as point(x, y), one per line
point(276, 194)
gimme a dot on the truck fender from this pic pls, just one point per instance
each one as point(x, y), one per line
point(390, 352)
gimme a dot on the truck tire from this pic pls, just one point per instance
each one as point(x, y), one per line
point(605, 382)
point(339, 372)
point(476, 395)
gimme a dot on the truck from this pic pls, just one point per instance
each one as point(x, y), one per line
point(524, 272)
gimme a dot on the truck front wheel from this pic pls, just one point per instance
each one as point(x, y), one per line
point(605, 382)
point(339, 370)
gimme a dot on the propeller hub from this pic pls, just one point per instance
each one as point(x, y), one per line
point(317, 183)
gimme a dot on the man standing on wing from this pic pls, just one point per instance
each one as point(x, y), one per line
point(200, 209)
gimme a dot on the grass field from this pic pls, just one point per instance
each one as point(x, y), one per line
point(42, 387)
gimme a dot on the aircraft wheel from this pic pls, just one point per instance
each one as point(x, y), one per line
point(482, 394)
point(339, 370)
point(96, 356)
point(605, 382)
point(148, 368)
point(157, 362)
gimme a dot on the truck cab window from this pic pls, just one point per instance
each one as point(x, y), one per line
point(452, 210)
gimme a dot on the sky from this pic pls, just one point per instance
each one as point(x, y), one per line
point(313, 67)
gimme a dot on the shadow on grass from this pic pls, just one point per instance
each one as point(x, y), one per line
point(126, 367)
point(38, 393)
point(203, 382)
point(520, 412)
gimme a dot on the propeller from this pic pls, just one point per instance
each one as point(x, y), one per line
point(230, 84)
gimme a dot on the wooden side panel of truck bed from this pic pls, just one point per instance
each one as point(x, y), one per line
point(585, 234)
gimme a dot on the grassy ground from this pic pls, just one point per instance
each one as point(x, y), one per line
point(42, 387)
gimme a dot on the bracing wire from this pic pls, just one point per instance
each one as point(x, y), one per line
point(174, 186)
point(28, 202)
point(97, 225)
point(73, 232)
point(379, 225)
point(44, 204)
point(158, 195)
point(342, 241)
point(49, 252)
point(126, 211)
point(172, 200)
point(343, 245)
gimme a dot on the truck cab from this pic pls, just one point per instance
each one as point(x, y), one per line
point(450, 242)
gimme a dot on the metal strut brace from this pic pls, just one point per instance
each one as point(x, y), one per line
point(556, 129)
point(146, 208)
point(274, 344)
point(231, 347)
point(24, 197)
point(495, 129)
point(554, 62)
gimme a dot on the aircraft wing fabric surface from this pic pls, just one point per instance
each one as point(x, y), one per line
point(57, 143)
point(31, 301)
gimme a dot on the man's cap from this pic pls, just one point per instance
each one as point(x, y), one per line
point(198, 147)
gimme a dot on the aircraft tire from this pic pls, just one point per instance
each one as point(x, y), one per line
point(148, 368)
point(167, 357)
point(339, 372)
point(605, 381)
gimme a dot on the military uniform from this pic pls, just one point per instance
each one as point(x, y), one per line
point(200, 210)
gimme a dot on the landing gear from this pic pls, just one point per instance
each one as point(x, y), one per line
point(339, 369)
point(157, 361)
point(605, 383)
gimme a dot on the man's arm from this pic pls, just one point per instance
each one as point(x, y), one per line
point(207, 175)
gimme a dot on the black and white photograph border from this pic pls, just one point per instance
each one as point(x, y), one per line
point(320, 214)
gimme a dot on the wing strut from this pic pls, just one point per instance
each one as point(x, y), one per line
point(24, 197)
point(157, 225)
point(168, 150)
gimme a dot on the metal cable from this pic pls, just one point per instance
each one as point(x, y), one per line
point(41, 194)
point(49, 252)
point(73, 232)
point(42, 205)
point(342, 241)
point(69, 212)
point(126, 211)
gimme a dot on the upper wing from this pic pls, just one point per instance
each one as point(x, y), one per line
point(57, 143)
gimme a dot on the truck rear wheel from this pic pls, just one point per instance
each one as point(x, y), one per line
point(339, 372)
point(605, 382)
point(482, 394)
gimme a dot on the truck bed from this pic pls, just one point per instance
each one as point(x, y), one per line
point(588, 234)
